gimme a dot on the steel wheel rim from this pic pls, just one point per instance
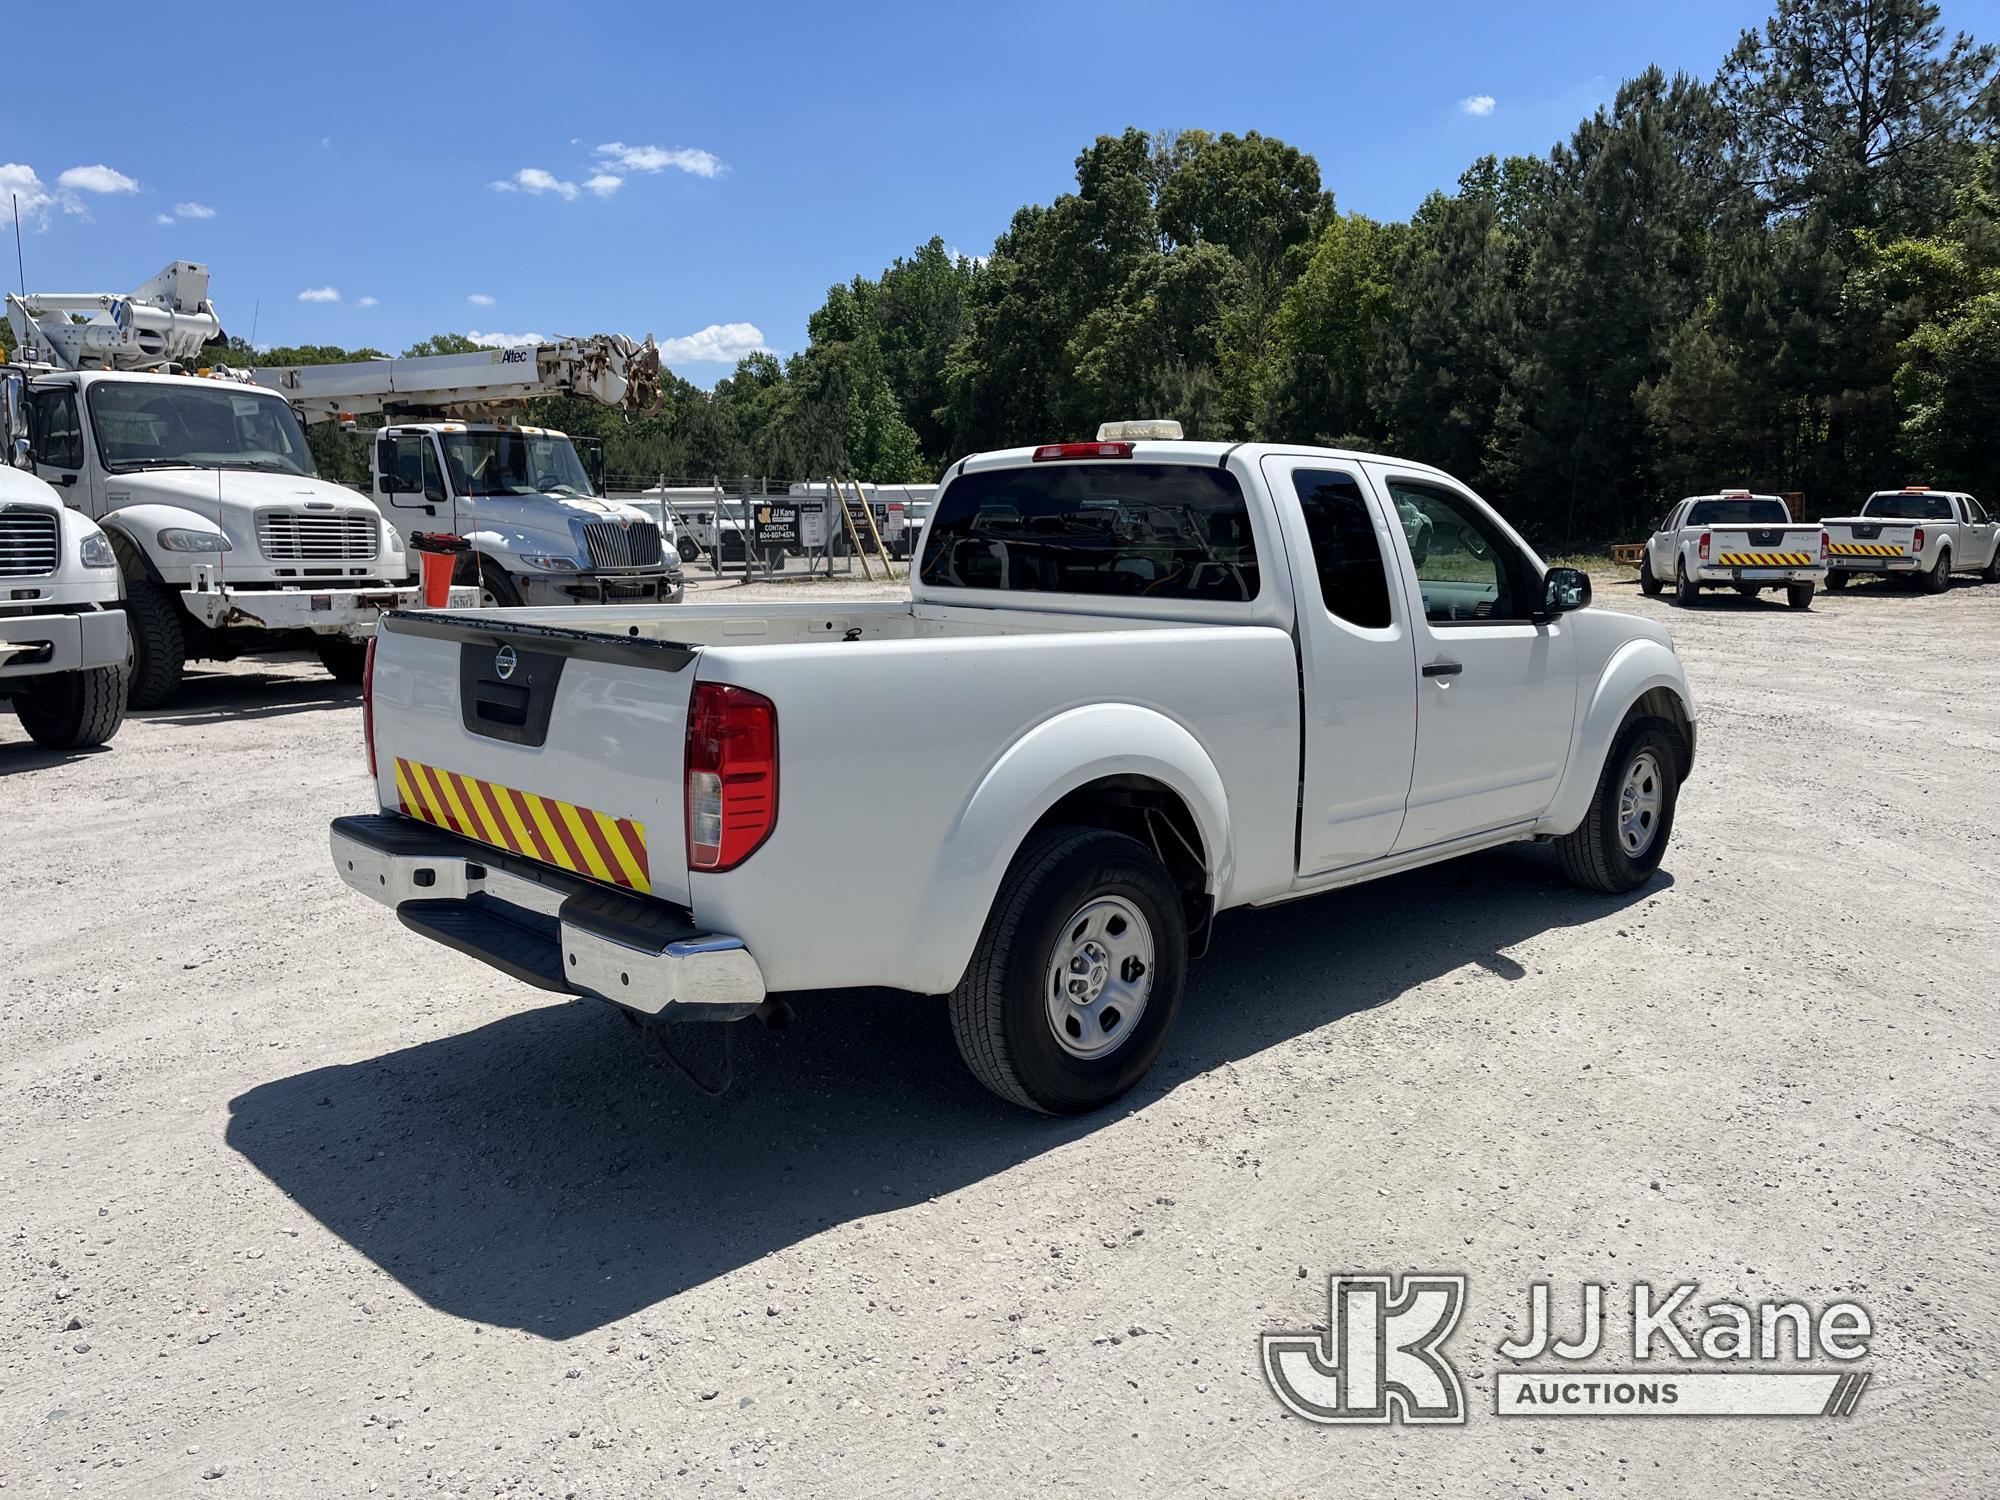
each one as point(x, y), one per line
point(1641, 795)
point(1099, 977)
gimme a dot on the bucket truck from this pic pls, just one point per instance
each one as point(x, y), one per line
point(226, 539)
point(532, 509)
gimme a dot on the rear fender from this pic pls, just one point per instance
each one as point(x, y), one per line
point(1635, 669)
point(1055, 758)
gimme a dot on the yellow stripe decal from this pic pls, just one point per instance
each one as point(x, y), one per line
point(576, 838)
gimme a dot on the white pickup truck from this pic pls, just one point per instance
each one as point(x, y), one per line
point(1137, 682)
point(1917, 533)
point(1747, 542)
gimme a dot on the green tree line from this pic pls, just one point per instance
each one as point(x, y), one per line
point(1785, 276)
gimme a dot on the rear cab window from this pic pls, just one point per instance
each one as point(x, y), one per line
point(1903, 506)
point(1751, 511)
point(1121, 529)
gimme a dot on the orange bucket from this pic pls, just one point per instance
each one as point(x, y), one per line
point(437, 578)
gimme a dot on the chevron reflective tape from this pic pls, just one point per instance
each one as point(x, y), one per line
point(1864, 549)
point(1765, 559)
point(579, 839)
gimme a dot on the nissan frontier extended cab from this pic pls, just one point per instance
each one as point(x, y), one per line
point(1737, 540)
point(1137, 682)
point(1918, 534)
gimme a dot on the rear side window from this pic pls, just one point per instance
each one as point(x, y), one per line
point(1750, 512)
point(1155, 531)
point(1346, 553)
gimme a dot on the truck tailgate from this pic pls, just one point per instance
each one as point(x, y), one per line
point(1877, 539)
point(540, 741)
point(1765, 546)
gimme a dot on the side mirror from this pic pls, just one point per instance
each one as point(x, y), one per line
point(14, 422)
point(385, 465)
point(1565, 589)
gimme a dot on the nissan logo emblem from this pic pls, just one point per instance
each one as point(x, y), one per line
point(503, 662)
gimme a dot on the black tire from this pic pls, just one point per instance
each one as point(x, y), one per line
point(1748, 590)
point(1594, 855)
point(1000, 1016)
point(688, 548)
point(495, 580)
point(1649, 585)
point(159, 645)
point(1991, 572)
point(72, 710)
point(1687, 592)
point(1799, 595)
point(1938, 579)
point(341, 657)
point(1836, 581)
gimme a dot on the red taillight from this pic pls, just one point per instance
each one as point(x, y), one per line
point(1825, 548)
point(1917, 542)
point(732, 775)
point(1051, 452)
point(1702, 550)
point(368, 702)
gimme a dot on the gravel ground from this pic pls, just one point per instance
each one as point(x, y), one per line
point(292, 1202)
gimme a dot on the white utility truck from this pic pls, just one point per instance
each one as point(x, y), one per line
point(532, 510)
point(1137, 682)
point(1737, 540)
point(62, 634)
point(1917, 533)
point(227, 540)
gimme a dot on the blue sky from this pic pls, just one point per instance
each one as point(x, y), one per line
point(704, 173)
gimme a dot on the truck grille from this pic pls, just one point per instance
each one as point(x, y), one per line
point(28, 543)
point(308, 536)
point(614, 546)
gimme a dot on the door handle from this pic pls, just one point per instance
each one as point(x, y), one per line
point(1443, 668)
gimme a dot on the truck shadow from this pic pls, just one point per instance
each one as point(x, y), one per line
point(540, 1173)
point(215, 697)
point(25, 755)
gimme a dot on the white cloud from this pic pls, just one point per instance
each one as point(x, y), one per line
point(503, 340)
point(1477, 104)
point(479, 299)
point(320, 294)
point(194, 211)
point(535, 180)
point(659, 158)
point(719, 343)
point(18, 183)
point(163, 218)
point(97, 179)
point(365, 302)
point(957, 254)
point(604, 184)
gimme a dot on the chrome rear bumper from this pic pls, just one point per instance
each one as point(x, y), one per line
point(545, 927)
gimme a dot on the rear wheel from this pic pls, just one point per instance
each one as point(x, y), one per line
point(1686, 590)
point(1938, 579)
point(159, 645)
point(1620, 841)
point(1836, 581)
point(1078, 974)
point(1799, 595)
point(687, 548)
point(341, 657)
point(72, 710)
point(1648, 583)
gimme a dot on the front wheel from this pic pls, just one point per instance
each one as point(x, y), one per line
point(341, 657)
point(1799, 595)
point(1078, 973)
point(497, 588)
point(1649, 584)
point(1991, 572)
point(1620, 841)
point(72, 710)
point(159, 645)
point(688, 549)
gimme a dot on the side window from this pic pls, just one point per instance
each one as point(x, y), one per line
point(1469, 570)
point(1667, 521)
point(1975, 511)
point(52, 422)
point(1353, 584)
point(433, 475)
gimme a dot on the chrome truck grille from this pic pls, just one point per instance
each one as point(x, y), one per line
point(614, 546)
point(29, 543)
point(309, 536)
